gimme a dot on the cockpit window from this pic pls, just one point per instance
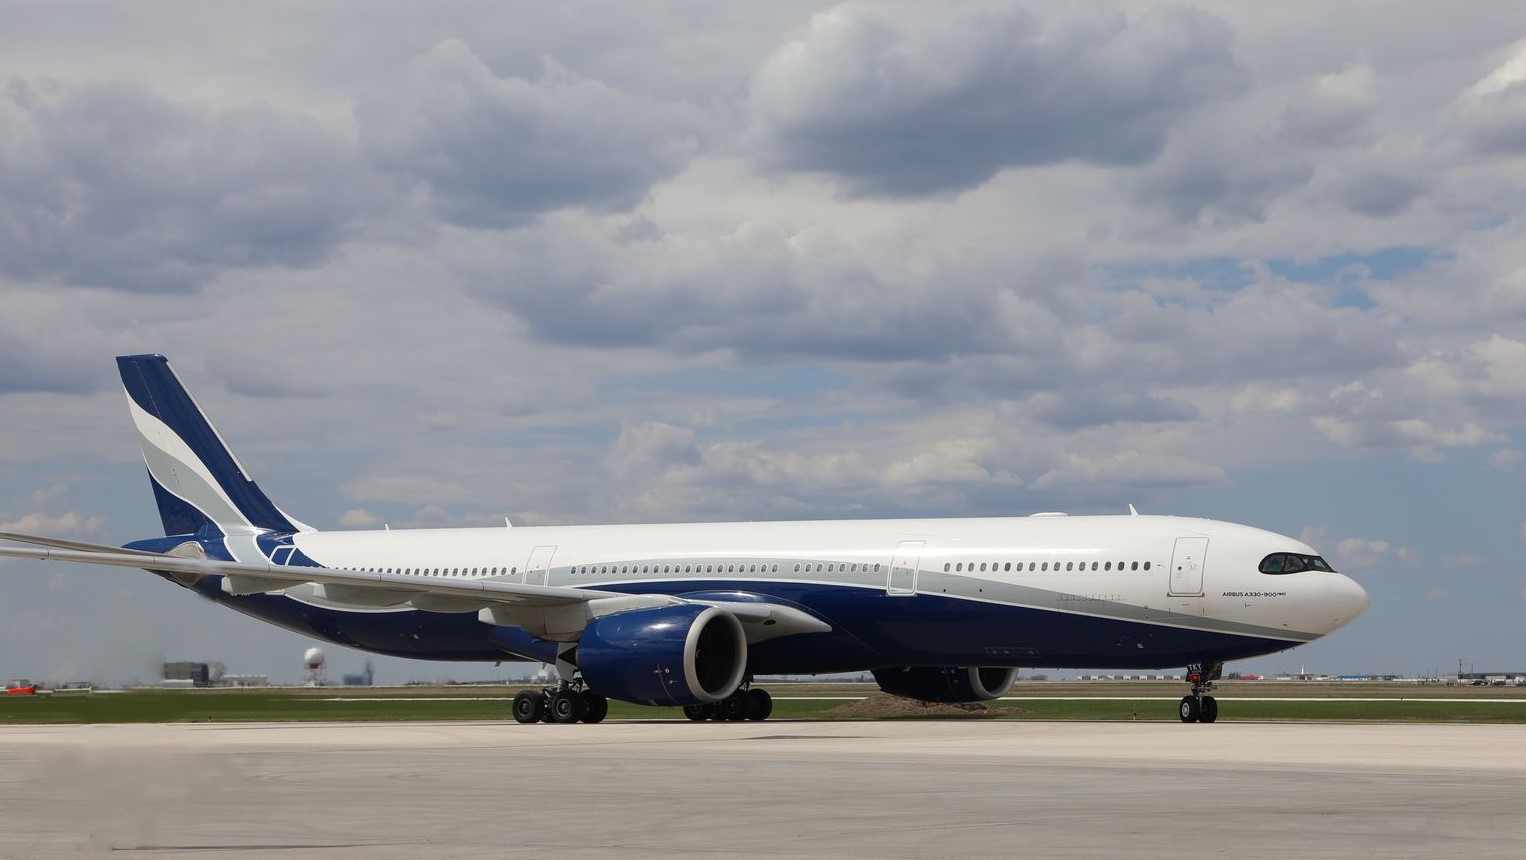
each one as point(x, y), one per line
point(1292, 562)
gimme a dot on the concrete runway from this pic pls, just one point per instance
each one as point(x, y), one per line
point(888, 789)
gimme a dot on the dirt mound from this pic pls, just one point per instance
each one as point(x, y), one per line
point(885, 706)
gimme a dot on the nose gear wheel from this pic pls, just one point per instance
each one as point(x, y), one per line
point(1198, 706)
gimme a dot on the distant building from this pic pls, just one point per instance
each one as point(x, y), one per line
point(183, 674)
point(362, 680)
point(246, 680)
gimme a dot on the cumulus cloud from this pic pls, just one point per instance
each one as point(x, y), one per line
point(1358, 554)
point(112, 185)
point(66, 524)
point(1129, 470)
point(650, 449)
point(1491, 113)
point(1506, 460)
point(1063, 412)
point(1331, 109)
point(757, 291)
point(910, 99)
point(1221, 168)
point(495, 151)
point(356, 518)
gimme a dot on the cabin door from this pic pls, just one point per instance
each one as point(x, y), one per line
point(539, 565)
point(1187, 566)
point(901, 580)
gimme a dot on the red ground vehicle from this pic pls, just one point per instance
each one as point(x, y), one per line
point(21, 688)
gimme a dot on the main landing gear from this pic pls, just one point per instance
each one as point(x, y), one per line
point(565, 703)
point(1199, 707)
point(747, 703)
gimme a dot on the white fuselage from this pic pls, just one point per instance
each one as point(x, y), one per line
point(1162, 570)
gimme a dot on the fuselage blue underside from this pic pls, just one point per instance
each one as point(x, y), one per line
point(870, 630)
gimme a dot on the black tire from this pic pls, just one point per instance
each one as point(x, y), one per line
point(1210, 710)
point(1189, 710)
point(528, 707)
point(735, 707)
point(698, 713)
point(565, 706)
point(595, 708)
point(759, 705)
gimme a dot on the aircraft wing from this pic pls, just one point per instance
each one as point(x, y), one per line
point(544, 610)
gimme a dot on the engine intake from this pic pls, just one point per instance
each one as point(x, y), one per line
point(671, 655)
point(947, 685)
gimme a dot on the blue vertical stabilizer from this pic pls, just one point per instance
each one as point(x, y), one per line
point(198, 483)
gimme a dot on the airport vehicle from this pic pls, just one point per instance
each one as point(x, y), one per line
point(20, 687)
point(941, 610)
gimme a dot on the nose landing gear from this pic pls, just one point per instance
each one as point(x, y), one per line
point(1199, 707)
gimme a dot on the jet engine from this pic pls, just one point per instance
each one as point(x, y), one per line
point(946, 685)
point(671, 655)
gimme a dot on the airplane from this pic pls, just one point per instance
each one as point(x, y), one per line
point(938, 610)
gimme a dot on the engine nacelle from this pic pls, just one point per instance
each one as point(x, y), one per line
point(946, 685)
point(670, 655)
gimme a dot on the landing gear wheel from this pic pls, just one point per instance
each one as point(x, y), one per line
point(759, 704)
point(595, 707)
point(699, 713)
point(1199, 707)
point(566, 706)
point(1190, 711)
point(735, 707)
point(529, 707)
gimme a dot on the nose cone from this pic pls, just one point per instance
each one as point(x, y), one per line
point(1346, 598)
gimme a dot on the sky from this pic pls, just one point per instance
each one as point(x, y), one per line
point(442, 264)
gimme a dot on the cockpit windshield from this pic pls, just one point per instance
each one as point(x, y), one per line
point(1292, 562)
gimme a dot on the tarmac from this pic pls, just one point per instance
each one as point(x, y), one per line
point(883, 789)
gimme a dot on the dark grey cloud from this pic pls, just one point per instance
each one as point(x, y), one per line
point(28, 366)
point(1378, 193)
point(1230, 177)
point(758, 293)
point(1098, 408)
point(112, 185)
point(925, 99)
point(497, 151)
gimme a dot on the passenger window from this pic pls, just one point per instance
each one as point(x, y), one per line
point(1147, 565)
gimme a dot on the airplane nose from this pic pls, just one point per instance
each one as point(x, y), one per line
point(1350, 599)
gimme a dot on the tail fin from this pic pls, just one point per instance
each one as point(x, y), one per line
point(198, 483)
